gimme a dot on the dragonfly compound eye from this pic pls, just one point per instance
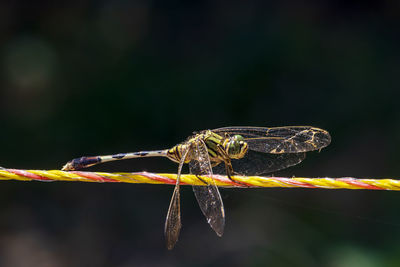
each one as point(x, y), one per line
point(238, 137)
point(236, 147)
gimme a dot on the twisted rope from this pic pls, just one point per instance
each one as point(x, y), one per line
point(187, 179)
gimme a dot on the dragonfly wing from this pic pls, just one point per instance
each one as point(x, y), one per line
point(279, 140)
point(173, 221)
point(208, 196)
point(256, 163)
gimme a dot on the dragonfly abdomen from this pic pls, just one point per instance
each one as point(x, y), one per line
point(175, 153)
point(84, 162)
point(81, 162)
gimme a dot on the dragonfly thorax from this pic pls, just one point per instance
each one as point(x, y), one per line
point(235, 147)
point(219, 148)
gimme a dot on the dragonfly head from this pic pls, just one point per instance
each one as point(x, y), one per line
point(236, 147)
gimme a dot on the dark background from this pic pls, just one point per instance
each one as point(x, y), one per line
point(100, 77)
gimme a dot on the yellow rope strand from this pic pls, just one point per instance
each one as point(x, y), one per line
point(223, 181)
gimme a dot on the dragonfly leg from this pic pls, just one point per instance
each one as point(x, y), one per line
point(213, 164)
point(228, 165)
point(201, 179)
point(230, 172)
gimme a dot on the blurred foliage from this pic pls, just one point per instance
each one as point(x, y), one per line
point(90, 78)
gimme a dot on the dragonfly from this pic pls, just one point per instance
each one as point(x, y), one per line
point(229, 150)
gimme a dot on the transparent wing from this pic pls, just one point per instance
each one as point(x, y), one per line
point(173, 221)
point(208, 196)
point(278, 140)
point(256, 163)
